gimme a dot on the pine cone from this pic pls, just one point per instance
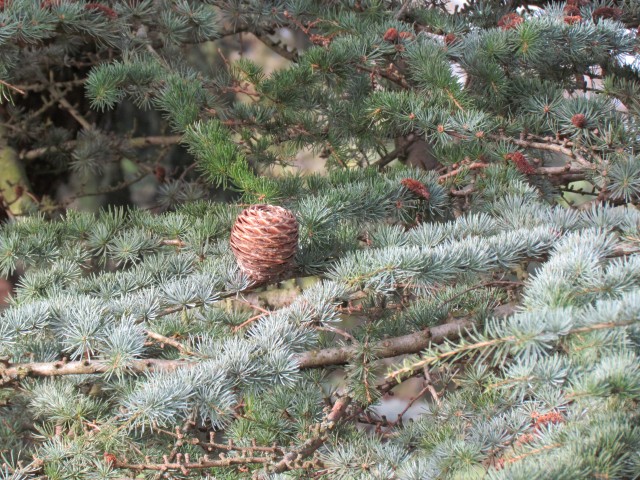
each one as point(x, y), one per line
point(264, 240)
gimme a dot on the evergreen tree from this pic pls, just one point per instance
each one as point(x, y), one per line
point(442, 247)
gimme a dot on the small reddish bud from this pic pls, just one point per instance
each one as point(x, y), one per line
point(510, 21)
point(525, 439)
point(320, 40)
point(521, 163)
point(545, 419)
point(405, 35)
point(419, 189)
point(571, 10)
point(391, 35)
point(606, 12)
point(570, 20)
point(110, 458)
point(440, 128)
point(160, 173)
point(579, 120)
point(449, 38)
point(499, 463)
point(98, 7)
point(49, 3)
point(578, 3)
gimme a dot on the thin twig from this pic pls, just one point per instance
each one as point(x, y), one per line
point(410, 404)
point(392, 155)
point(337, 331)
point(471, 166)
point(174, 243)
point(12, 87)
point(482, 285)
point(403, 9)
point(549, 147)
point(170, 341)
point(247, 322)
point(231, 447)
point(430, 387)
point(64, 103)
point(293, 458)
point(183, 463)
point(137, 142)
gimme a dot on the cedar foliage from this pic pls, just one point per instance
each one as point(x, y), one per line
point(445, 229)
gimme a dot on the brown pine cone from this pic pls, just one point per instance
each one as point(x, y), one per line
point(264, 240)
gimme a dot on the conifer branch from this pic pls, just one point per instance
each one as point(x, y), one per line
point(135, 142)
point(551, 147)
point(405, 344)
point(170, 341)
point(277, 46)
point(184, 464)
point(471, 166)
point(73, 111)
point(488, 96)
point(397, 152)
point(492, 343)
point(290, 460)
point(293, 458)
point(12, 87)
point(392, 347)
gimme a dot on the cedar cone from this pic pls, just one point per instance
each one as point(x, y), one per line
point(98, 7)
point(510, 21)
point(391, 35)
point(571, 19)
point(607, 12)
point(110, 459)
point(264, 240)
point(579, 120)
point(572, 11)
point(416, 187)
point(521, 163)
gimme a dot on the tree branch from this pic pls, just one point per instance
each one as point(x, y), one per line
point(411, 343)
point(137, 142)
point(184, 464)
point(392, 347)
point(471, 166)
point(291, 459)
point(551, 147)
point(276, 46)
point(392, 155)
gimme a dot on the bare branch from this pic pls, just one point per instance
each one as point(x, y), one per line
point(184, 464)
point(137, 142)
point(12, 87)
